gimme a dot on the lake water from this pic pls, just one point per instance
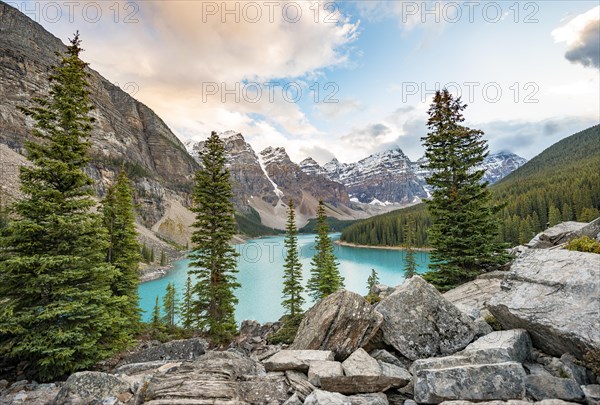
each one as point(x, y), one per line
point(260, 268)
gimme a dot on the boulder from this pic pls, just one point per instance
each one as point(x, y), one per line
point(320, 369)
point(541, 387)
point(383, 355)
point(497, 347)
point(501, 381)
point(555, 296)
point(363, 384)
point(88, 387)
point(592, 394)
point(419, 322)
point(217, 377)
point(557, 235)
point(187, 349)
point(341, 322)
point(472, 297)
point(299, 383)
point(319, 397)
point(30, 394)
point(296, 359)
point(293, 400)
point(360, 363)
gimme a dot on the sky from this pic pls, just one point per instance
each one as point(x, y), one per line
point(345, 79)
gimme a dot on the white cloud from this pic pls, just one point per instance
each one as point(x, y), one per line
point(582, 37)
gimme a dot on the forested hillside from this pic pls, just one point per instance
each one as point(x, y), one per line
point(560, 184)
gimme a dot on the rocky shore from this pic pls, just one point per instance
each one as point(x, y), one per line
point(527, 335)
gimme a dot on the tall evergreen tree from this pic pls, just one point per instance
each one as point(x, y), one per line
point(372, 281)
point(213, 259)
point(292, 274)
point(156, 318)
point(186, 309)
point(464, 226)
point(410, 264)
point(170, 305)
point(59, 310)
point(325, 277)
point(123, 250)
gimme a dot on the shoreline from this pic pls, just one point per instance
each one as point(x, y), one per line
point(354, 245)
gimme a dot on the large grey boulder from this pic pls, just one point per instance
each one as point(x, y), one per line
point(555, 295)
point(215, 378)
point(419, 322)
point(360, 363)
point(556, 235)
point(501, 381)
point(187, 349)
point(341, 322)
point(91, 387)
point(497, 347)
point(296, 359)
point(472, 297)
point(541, 387)
point(592, 394)
point(320, 369)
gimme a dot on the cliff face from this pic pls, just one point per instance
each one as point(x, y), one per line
point(127, 133)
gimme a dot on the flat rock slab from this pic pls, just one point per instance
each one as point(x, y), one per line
point(341, 322)
point(555, 296)
point(319, 369)
point(502, 381)
point(320, 397)
point(420, 323)
point(541, 387)
point(473, 296)
point(89, 386)
point(296, 359)
point(361, 384)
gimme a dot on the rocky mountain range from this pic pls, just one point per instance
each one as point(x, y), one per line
point(129, 134)
point(391, 177)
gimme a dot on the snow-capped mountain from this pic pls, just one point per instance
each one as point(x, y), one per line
point(391, 177)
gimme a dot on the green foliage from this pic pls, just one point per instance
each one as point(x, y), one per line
point(388, 229)
point(287, 333)
point(186, 309)
point(250, 225)
point(591, 360)
point(123, 250)
point(163, 258)
point(564, 175)
point(156, 324)
point(372, 281)
point(464, 226)
point(213, 259)
point(59, 312)
point(410, 264)
point(292, 269)
point(493, 322)
point(584, 244)
point(325, 277)
point(147, 253)
point(335, 225)
point(170, 306)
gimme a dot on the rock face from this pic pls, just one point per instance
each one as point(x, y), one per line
point(91, 387)
point(296, 359)
point(541, 387)
point(126, 131)
point(342, 322)
point(555, 296)
point(419, 322)
point(472, 297)
point(556, 235)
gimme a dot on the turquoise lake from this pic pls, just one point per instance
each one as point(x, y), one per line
point(260, 267)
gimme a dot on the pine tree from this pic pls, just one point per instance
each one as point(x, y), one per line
point(410, 264)
point(163, 258)
point(554, 216)
point(213, 259)
point(151, 258)
point(170, 305)
point(372, 281)
point(187, 314)
point(464, 230)
point(123, 250)
point(325, 277)
point(58, 309)
point(156, 318)
point(292, 275)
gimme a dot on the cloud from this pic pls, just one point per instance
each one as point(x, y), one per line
point(582, 37)
point(339, 109)
point(318, 153)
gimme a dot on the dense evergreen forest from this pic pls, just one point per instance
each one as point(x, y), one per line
point(560, 184)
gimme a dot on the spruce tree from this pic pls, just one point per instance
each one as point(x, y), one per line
point(410, 265)
point(325, 277)
point(213, 259)
point(464, 230)
point(59, 311)
point(186, 311)
point(123, 250)
point(292, 274)
point(163, 258)
point(156, 318)
point(170, 305)
point(372, 281)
